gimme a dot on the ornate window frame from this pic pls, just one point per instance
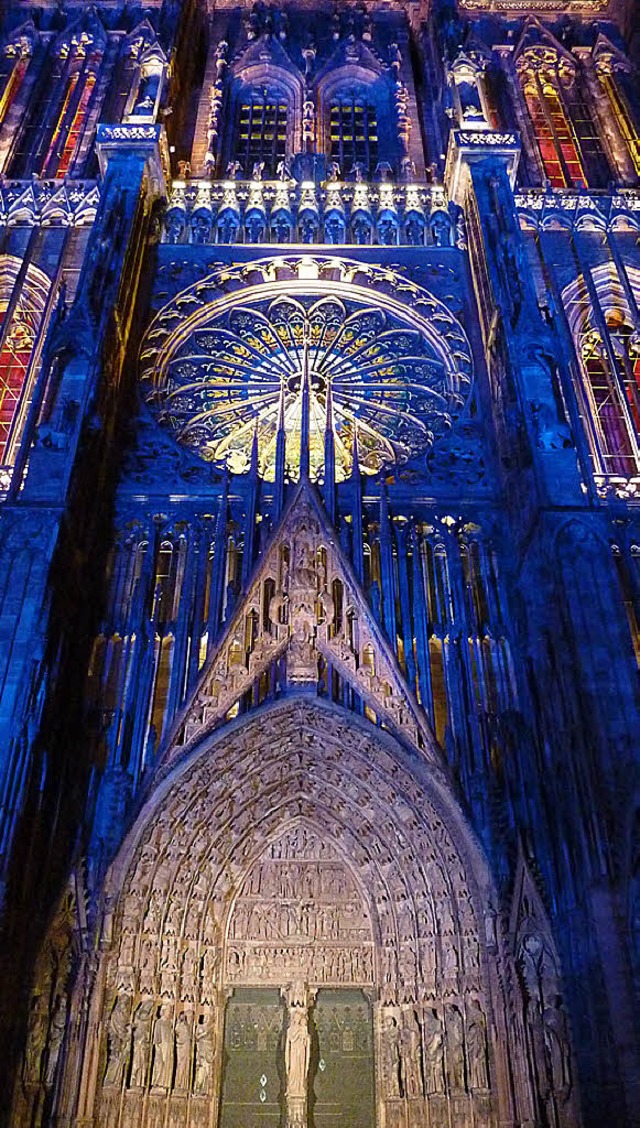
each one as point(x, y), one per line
point(380, 91)
point(597, 337)
point(544, 74)
point(270, 77)
point(25, 301)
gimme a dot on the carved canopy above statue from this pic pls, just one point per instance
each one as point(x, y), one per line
point(325, 343)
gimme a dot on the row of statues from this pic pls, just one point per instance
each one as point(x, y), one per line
point(425, 1054)
point(149, 1047)
point(422, 1053)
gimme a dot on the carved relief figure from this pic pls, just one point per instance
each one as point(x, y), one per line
point(162, 1065)
point(455, 1049)
point(36, 1039)
point(391, 1057)
point(205, 1052)
point(411, 1055)
point(556, 1047)
point(477, 1046)
point(297, 1052)
point(118, 1041)
point(56, 1037)
point(141, 1028)
point(183, 1052)
point(433, 1042)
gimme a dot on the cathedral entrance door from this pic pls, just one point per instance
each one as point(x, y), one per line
point(252, 1068)
point(342, 1088)
point(340, 1080)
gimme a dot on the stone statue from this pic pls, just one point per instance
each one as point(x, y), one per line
point(36, 1039)
point(477, 1046)
point(162, 1066)
point(455, 1049)
point(433, 1042)
point(141, 1025)
point(297, 1052)
point(555, 1045)
point(56, 1036)
point(205, 1050)
point(411, 1055)
point(391, 1057)
point(183, 1052)
point(118, 1041)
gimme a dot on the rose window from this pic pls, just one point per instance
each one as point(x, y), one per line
point(311, 362)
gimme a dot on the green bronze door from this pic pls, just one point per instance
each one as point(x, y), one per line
point(252, 1079)
point(342, 1074)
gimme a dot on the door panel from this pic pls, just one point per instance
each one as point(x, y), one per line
point(252, 1081)
point(342, 1092)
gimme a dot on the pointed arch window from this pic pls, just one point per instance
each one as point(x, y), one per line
point(557, 141)
point(13, 68)
point(608, 346)
point(51, 136)
point(568, 142)
point(353, 126)
point(613, 75)
point(23, 298)
point(261, 128)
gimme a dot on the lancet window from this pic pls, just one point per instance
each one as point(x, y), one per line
point(261, 132)
point(613, 75)
point(608, 346)
point(22, 304)
point(568, 143)
point(58, 113)
point(354, 130)
point(13, 69)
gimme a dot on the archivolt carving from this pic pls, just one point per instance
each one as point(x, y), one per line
point(302, 849)
point(297, 849)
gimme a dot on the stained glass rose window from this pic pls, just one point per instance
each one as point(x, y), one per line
point(373, 375)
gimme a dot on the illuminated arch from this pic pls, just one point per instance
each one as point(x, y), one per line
point(278, 96)
point(354, 116)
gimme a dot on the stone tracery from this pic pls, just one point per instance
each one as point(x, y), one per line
point(386, 376)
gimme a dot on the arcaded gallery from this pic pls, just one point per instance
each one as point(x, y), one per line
point(320, 564)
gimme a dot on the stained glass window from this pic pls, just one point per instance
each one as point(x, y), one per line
point(17, 339)
point(13, 73)
point(354, 131)
point(74, 132)
point(57, 118)
point(555, 131)
point(614, 85)
point(614, 394)
point(261, 134)
point(243, 370)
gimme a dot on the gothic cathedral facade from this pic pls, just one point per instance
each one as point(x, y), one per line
point(320, 564)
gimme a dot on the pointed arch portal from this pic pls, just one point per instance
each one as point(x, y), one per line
point(300, 932)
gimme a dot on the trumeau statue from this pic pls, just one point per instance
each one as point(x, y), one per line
point(297, 1052)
